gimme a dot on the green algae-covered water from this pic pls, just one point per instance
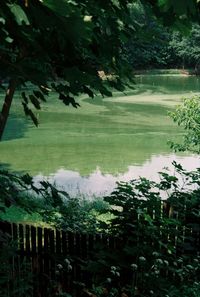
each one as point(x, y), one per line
point(107, 139)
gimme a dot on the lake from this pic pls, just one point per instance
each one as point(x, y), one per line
point(86, 150)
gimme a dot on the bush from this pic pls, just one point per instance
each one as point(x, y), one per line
point(152, 252)
point(156, 254)
point(52, 205)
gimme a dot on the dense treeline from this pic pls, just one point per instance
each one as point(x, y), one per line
point(158, 46)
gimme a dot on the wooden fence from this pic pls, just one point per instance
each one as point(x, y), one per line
point(56, 258)
point(52, 255)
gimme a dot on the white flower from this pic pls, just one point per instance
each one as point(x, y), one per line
point(142, 259)
point(134, 267)
point(159, 261)
point(166, 262)
point(87, 18)
point(67, 261)
point(155, 254)
point(60, 266)
point(190, 267)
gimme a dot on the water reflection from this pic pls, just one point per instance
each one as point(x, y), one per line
point(99, 184)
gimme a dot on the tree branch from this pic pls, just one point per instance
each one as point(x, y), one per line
point(6, 105)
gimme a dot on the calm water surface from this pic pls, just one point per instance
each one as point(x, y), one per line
point(106, 140)
point(99, 184)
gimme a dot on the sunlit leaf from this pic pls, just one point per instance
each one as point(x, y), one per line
point(19, 14)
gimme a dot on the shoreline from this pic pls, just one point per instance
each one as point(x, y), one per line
point(176, 71)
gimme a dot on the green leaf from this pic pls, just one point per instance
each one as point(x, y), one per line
point(28, 112)
point(88, 91)
point(27, 179)
point(2, 20)
point(39, 95)
point(67, 100)
point(24, 97)
point(60, 7)
point(8, 39)
point(35, 101)
point(180, 7)
point(33, 118)
point(19, 14)
point(105, 91)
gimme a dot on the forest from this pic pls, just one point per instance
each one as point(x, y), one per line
point(158, 47)
point(99, 148)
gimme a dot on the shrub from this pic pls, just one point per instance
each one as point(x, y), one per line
point(155, 254)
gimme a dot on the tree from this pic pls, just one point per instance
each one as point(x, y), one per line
point(187, 47)
point(150, 49)
point(156, 45)
point(62, 45)
point(187, 115)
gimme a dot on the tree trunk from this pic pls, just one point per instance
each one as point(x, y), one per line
point(197, 68)
point(6, 105)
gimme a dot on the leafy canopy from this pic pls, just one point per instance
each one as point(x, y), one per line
point(63, 45)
